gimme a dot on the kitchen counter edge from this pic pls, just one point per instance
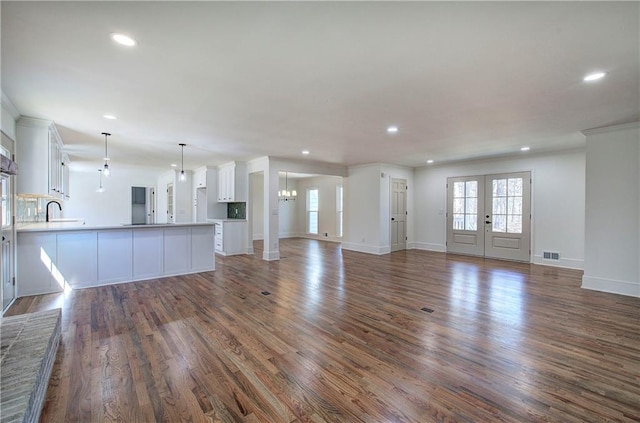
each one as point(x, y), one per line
point(36, 227)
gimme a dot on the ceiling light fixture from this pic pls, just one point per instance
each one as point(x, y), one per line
point(392, 130)
point(183, 176)
point(100, 189)
point(110, 117)
point(305, 152)
point(429, 161)
point(525, 148)
point(594, 76)
point(287, 195)
point(106, 156)
point(125, 40)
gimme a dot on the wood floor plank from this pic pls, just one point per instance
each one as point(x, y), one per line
point(342, 338)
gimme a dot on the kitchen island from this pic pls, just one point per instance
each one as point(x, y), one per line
point(52, 258)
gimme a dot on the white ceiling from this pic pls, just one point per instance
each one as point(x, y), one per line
point(236, 81)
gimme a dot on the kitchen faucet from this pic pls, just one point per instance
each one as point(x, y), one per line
point(47, 208)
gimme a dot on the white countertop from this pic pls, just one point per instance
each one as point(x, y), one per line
point(76, 226)
point(225, 220)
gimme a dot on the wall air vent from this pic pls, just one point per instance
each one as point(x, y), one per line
point(550, 255)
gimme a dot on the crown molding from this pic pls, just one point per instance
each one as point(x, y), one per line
point(7, 104)
point(605, 129)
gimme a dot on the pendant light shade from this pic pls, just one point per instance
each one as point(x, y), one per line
point(106, 170)
point(183, 176)
point(100, 189)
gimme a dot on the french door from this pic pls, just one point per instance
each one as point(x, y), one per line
point(490, 215)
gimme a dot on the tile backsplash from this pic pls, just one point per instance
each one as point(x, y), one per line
point(236, 210)
point(30, 209)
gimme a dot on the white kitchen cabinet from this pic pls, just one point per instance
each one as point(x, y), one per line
point(232, 182)
point(37, 270)
point(200, 178)
point(49, 260)
point(39, 155)
point(230, 236)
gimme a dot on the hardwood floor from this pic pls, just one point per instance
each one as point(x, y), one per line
point(342, 338)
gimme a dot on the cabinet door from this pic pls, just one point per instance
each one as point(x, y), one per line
point(231, 178)
point(222, 185)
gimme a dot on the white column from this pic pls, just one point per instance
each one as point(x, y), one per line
point(271, 223)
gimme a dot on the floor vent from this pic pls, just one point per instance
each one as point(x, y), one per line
point(427, 309)
point(266, 293)
point(550, 255)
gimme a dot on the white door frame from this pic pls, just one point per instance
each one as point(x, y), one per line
point(476, 235)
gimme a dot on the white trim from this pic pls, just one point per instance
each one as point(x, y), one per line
point(611, 285)
point(30, 121)
point(258, 237)
point(271, 255)
point(362, 248)
point(568, 263)
point(8, 104)
point(426, 246)
point(605, 129)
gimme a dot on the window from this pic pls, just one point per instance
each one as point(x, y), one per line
point(507, 205)
point(339, 210)
point(465, 205)
point(312, 211)
point(6, 194)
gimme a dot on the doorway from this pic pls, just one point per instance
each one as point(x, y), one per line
point(143, 205)
point(398, 214)
point(490, 215)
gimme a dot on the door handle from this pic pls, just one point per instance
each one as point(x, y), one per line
point(487, 221)
point(393, 218)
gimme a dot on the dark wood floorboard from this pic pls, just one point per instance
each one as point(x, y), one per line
point(342, 338)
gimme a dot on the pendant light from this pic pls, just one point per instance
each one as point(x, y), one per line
point(183, 176)
point(287, 195)
point(100, 189)
point(106, 155)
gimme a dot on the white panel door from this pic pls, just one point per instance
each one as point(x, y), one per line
point(465, 209)
point(507, 219)
point(490, 215)
point(398, 214)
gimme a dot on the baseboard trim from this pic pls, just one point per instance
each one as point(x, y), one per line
point(363, 248)
point(271, 255)
point(427, 247)
point(567, 263)
point(631, 289)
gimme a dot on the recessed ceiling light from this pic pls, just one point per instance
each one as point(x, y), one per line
point(430, 161)
point(112, 117)
point(525, 148)
point(594, 76)
point(305, 152)
point(174, 165)
point(392, 129)
point(125, 40)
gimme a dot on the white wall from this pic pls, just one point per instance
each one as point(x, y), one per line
point(256, 202)
point(367, 207)
point(558, 199)
point(612, 244)
point(111, 207)
point(9, 115)
point(327, 216)
point(182, 206)
point(362, 209)
point(287, 210)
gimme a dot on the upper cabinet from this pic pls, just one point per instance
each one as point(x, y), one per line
point(232, 182)
point(43, 167)
point(200, 177)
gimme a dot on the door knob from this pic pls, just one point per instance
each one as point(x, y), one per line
point(393, 218)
